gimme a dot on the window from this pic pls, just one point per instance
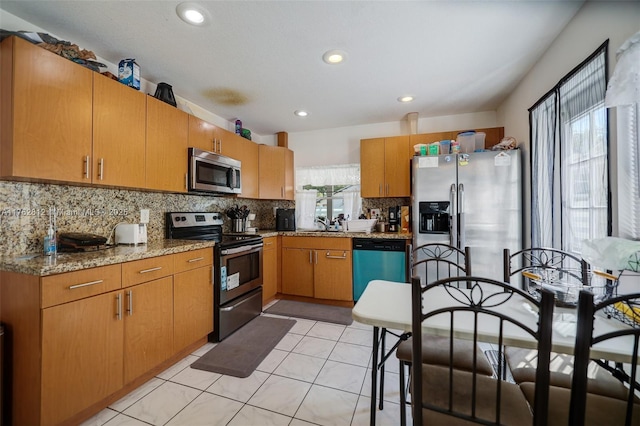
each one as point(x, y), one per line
point(330, 200)
point(335, 190)
point(569, 168)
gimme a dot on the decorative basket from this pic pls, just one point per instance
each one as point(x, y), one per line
point(567, 286)
point(627, 312)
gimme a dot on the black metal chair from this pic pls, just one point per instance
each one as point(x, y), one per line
point(432, 262)
point(446, 395)
point(555, 264)
point(531, 262)
point(585, 407)
point(549, 263)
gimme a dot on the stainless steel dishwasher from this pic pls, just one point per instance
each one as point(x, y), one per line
point(377, 259)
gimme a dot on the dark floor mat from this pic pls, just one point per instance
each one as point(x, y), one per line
point(239, 354)
point(312, 311)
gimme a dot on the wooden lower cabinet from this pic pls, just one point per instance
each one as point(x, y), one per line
point(317, 267)
point(82, 363)
point(270, 270)
point(333, 275)
point(79, 338)
point(192, 293)
point(148, 326)
point(297, 271)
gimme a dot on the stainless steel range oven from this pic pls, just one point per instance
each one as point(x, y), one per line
point(237, 263)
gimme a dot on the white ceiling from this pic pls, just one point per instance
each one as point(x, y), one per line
point(261, 60)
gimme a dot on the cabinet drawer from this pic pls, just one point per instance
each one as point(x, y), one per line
point(140, 271)
point(330, 243)
point(63, 288)
point(192, 259)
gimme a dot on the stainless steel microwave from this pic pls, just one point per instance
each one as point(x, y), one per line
point(209, 172)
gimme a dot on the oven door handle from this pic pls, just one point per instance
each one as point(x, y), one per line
point(232, 307)
point(243, 249)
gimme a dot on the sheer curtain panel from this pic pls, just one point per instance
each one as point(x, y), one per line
point(569, 159)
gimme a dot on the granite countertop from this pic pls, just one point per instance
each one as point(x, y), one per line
point(38, 264)
point(338, 234)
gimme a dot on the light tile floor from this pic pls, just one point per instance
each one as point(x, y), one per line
point(319, 374)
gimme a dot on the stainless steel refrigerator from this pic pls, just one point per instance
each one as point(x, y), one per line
point(472, 200)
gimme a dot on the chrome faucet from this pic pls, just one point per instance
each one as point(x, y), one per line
point(322, 222)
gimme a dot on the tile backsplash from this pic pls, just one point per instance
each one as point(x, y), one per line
point(24, 211)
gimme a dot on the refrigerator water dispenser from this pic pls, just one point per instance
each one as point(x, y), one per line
point(434, 217)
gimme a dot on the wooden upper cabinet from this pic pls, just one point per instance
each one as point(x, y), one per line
point(397, 158)
point(372, 167)
point(275, 173)
point(202, 135)
point(166, 148)
point(119, 114)
point(249, 159)
point(384, 167)
point(289, 177)
point(46, 113)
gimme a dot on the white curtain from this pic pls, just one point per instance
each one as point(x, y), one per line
point(543, 119)
point(569, 159)
point(624, 86)
point(343, 174)
point(352, 203)
point(623, 92)
point(306, 209)
point(584, 159)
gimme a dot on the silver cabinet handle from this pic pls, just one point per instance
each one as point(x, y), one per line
point(220, 146)
point(310, 254)
point(213, 143)
point(186, 181)
point(380, 189)
point(344, 256)
point(85, 284)
point(101, 169)
point(387, 190)
point(197, 259)
point(144, 271)
point(119, 306)
point(130, 304)
point(316, 253)
point(86, 167)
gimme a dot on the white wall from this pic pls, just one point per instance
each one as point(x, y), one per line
point(342, 145)
point(594, 23)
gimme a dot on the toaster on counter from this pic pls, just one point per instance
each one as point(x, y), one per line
point(131, 233)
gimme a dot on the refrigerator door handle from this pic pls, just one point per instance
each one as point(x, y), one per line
point(461, 215)
point(453, 220)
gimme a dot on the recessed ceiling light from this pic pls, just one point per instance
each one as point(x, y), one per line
point(333, 57)
point(301, 113)
point(193, 13)
point(405, 98)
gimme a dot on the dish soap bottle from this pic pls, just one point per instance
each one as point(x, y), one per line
point(50, 242)
point(50, 246)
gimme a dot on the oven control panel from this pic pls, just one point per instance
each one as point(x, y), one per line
point(190, 219)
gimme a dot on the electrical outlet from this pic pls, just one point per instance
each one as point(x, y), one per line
point(144, 216)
